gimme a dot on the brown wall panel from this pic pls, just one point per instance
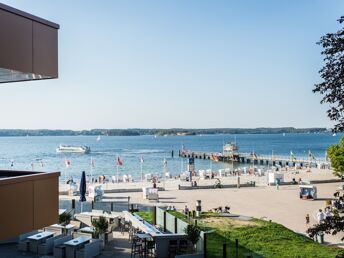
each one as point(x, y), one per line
point(15, 42)
point(46, 202)
point(16, 213)
point(27, 202)
point(45, 50)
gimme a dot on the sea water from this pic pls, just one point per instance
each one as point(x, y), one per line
point(39, 153)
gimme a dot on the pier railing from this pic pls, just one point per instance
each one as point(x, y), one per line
point(246, 157)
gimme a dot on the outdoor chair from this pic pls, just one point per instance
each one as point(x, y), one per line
point(48, 246)
point(172, 248)
point(90, 250)
point(23, 244)
point(59, 247)
point(151, 248)
point(183, 246)
point(136, 247)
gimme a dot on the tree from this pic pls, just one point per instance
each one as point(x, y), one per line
point(336, 155)
point(332, 74)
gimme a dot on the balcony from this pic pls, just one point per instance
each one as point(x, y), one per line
point(29, 201)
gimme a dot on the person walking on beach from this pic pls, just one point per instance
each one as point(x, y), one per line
point(320, 216)
point(186, 210)
point(307, 219)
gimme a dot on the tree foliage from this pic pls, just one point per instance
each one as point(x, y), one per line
point(332, 87)
point(332, 225)
point(336, 155)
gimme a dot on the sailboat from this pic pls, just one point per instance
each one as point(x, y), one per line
point(334, 134)
point(98, 138)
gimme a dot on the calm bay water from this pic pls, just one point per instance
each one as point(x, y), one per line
point(26, 152)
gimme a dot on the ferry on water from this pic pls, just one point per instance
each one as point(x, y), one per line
point(73, 149)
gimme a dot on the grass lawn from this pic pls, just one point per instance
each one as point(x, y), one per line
point(146, 215)
point(261, 239)
point(257, 238)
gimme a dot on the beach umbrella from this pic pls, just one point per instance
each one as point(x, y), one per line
point(82, 188)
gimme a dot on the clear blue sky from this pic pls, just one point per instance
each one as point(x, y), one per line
point(191, 64)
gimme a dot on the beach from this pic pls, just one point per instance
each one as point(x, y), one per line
point(281, 205)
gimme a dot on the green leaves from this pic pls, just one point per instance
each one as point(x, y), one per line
point(336, 155)
point(100, 225)
point(332, 86)
point(193, 233)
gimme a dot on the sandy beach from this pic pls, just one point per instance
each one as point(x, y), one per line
point(281, 205)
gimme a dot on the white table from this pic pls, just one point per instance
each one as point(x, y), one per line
point(74, 244)
point(37, 239)
point(61, 211)
point(87, 229)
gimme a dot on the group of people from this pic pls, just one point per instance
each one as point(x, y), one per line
point(322, 215)
point(171, 208)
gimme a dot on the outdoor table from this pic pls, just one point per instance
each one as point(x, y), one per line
point(74, 244)
point(37, 239)
point(87, 229)
point(64, 229)
point(61, 211)
point(144, 237)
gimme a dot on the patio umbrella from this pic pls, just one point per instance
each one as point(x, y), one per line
point(82, 188)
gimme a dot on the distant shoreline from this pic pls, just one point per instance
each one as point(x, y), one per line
point(158, 132)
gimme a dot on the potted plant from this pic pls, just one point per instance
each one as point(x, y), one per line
point(100, 227)
point(64, 220)
point(192, 234)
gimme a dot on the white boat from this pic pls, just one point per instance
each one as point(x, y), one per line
point(73, 149)
point(98, 138)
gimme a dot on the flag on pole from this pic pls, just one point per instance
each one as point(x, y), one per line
point(119, 161)
point(292, 156)
point(141, 159)
point(67, 163)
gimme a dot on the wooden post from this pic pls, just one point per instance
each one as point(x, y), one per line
point(128, 202)
point(205, 245)
point(164, 221)
point(111, 206)
point(73, 203)
point(224, 250)
point(92, 204)
point(175, 225)
point(154, 214)
point(236, 248)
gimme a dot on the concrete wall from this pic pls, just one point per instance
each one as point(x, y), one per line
point(28, 202)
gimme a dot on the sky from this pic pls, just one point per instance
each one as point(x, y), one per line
point(177, 64)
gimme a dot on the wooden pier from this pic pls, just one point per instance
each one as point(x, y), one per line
point(255, 159)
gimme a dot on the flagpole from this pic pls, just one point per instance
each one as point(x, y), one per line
point(117, 174)
point(91, 170)
point(141, 172)
point(164, 172)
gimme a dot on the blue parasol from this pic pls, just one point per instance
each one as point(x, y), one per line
point(83, 188)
